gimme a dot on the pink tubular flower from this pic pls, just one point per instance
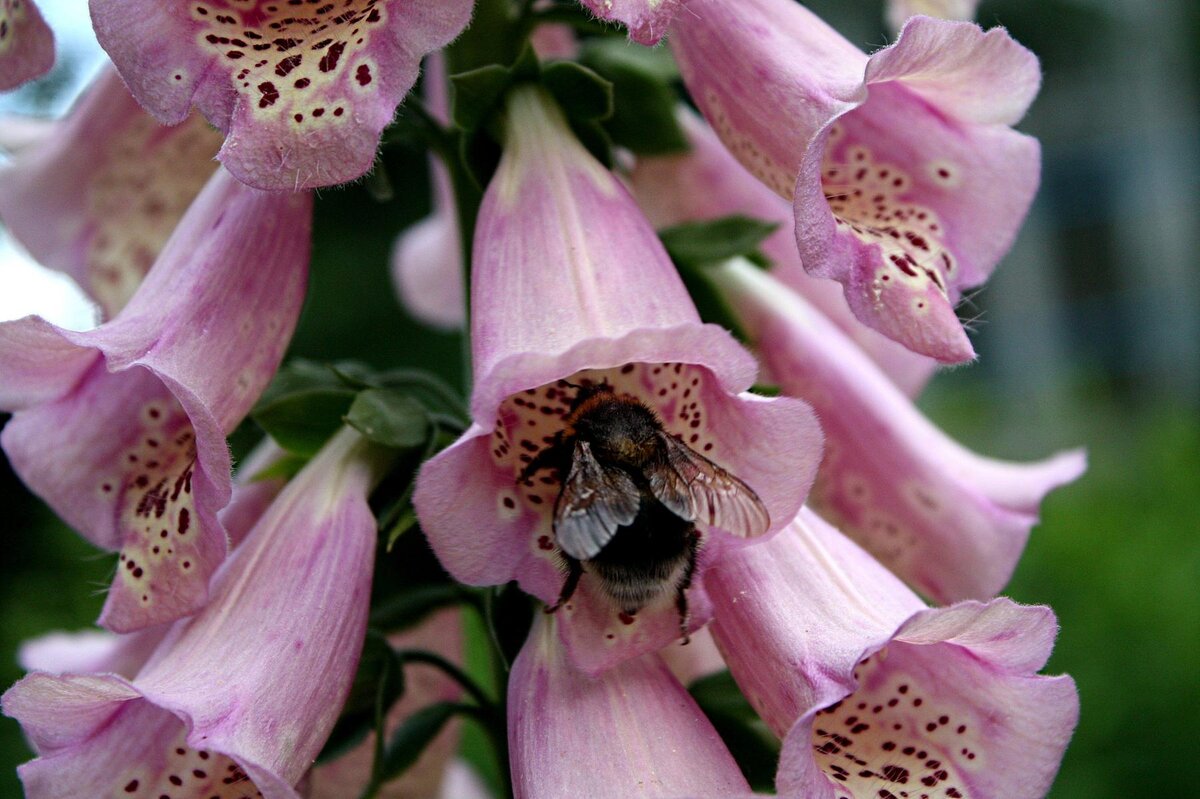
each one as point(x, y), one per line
point(571, 287)
point(244, 693)
point(99, 198)
point(26, 43)
point(633, 731)
point(908, 183)
point(876, 695)
point(948, 521)
point(427, 257)
point(898, 11)
point(647, 20)
point(302, 98)
point(708, 183)
point(121, 429)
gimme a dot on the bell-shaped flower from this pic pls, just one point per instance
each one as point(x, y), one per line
point(898, 11)
point(301, 97)
point(949, 522)
point(571, 288)
point(427, 257)
point(647, 20)
point(240, 697)
point(907, 182)
point(348, 774)
point(876, 695)
point(707, 182)
point(99, 198)
point(632, 731)
point(121, 429)
point(26, 43)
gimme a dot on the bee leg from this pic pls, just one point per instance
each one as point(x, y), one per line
point(689, 569)
point(574, 572)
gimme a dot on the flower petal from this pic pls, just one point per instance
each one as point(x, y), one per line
point(99, 198)
point(302, 99)
point(26, 43)
point(122, 429)
point(707, 183)
point(907, 184)
point(647, 20)
point(634, 731)
point(948, 521)
point(91, 651)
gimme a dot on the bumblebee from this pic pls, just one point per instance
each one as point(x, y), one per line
point(630, 498)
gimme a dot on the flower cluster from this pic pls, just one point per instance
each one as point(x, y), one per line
point(688, 455)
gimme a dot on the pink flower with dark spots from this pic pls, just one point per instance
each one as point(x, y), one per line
point(907, 181)
point(875, 694)
point(570, 289)
point(708, 183)
point(26, 43)
point(99, 198)
point(301, 97)
point(121, 429)
point(647, 20)
point(239, 699)
point(950, 522)
point(632, 731)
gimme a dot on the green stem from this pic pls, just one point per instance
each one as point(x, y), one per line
point(450, 670)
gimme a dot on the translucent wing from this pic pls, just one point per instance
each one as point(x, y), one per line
point(696, 489)
point(595, 501)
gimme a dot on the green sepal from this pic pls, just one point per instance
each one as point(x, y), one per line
point(643, 118)
point(716, 240)
point(285, 468)
point(749, 740)
point(390, 418)
point(302, 421)
point(412, 737)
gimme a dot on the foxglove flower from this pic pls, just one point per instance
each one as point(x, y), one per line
point(302, 98)
point(907, 182)
point(948, 521)
point(571, 286)
point(876, 695)
point(707, 183)
point(349, 774)
point(121, 429)
point(898, 11)
point(632, 731)
point(99, 198)
point(26, 43)
point(647, 20)
point(427, 257)
point(242, 696)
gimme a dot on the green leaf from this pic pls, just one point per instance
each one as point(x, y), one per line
point(643, 118)
point(412, 737)
point(582, 94)
point(303, 420)
point(765, 390)
point(476, 95)
point(389, 417)
point(407, 608)
point(712, 241)
point(603, 53)
point(404, 522)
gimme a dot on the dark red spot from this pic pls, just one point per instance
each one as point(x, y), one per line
point(362, 74)
point(269, 94)
point(185, 520)
point(137, 573)
point(174, 780)
point(626, 618)
point(131, 787)
point(286, 65)
point(328, 62)
point(895, 774)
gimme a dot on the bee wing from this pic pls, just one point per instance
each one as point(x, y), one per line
point(595, 500)
point(696, 489)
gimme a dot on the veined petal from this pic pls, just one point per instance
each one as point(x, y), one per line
point(907, 183)
point(99, 198)
point(571, 286)
point(948, 521)
point(241, 696)
point(634, 731)
point(707, 183)
point(91, 651)
point(647, 20)
point(26, 43)
point(898, 11)
point(121, 429)
point(874, 692)
point(302, 98)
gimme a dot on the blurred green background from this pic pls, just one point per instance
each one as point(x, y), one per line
point(1088, 334)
